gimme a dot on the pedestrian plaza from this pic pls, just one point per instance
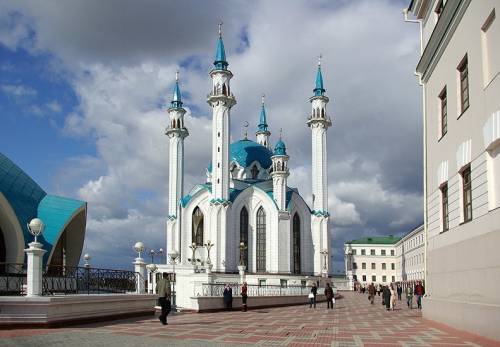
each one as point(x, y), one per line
point(352, 322)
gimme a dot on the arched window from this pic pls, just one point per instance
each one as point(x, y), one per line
point(254, 172)
point(197, 231)
point(178, 123)
point(261, 240)
point(224, 90)
point(296, 243)
point(322, 112)
point(244, 235)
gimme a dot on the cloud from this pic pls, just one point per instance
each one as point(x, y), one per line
point(121, 64)
point(18, 91)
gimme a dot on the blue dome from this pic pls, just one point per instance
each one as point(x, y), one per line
point(280, 148)
point(245, 152)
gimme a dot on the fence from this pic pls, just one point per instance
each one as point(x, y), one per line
point(217, 289)
point(67, 280)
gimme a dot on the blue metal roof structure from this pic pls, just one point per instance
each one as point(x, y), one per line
point(280, 148)
point(319, 90)
point(28, 200)
point(220, 62)
point(246, 151)
point(176, 96)
point(262, 121)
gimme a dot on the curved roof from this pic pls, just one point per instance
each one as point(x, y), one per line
point(280, 148)
point(28, 200)
point(245, 152)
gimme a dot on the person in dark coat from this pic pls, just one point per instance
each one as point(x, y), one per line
point(400, 291)
point(228, 297)
point(329, 296)
point(386, 295)
point(164, 292)
point(244, 296)
point(371, 293)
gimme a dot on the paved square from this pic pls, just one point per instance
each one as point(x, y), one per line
point(353, 322)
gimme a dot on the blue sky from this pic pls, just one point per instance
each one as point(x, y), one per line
point(83, 90)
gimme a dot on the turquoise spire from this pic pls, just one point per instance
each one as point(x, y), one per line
point(176, 97)
point(220, 62)
point(263, 122)
point(280, 148)
point(319, 90)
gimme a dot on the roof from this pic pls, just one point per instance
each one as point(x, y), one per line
point(280, 148)
point(220, 55)
point(376, 240)
point(263, 121)
point(28, 200)
point(319, 89)
point(176, 96)
point(246, 151)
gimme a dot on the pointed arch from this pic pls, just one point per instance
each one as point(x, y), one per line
point(244, 235)
point(254, 172)
point(197, 227)
point(261, 240)
point(178, 123)
point(224, 89)
point(296, 243)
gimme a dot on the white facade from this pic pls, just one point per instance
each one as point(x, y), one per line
point(410, 256)
point(246, 200)
point(458, 71)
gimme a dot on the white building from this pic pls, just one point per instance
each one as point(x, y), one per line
point(410, 257)
point(459, 72)
point(386, 259)
point(371, 260)
point(246, 199)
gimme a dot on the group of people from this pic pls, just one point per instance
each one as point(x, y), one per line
point(227, 296)
point(329, 296)
point(393, 291)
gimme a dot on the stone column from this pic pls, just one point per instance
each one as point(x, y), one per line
point(34, 276)
point(140, 269)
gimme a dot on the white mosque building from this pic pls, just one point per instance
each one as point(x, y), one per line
point(245, 212)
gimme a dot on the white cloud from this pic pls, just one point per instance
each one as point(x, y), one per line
point(17, 90)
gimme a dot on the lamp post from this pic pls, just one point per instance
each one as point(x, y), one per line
point(140, 269)
point(153, 253)
point(174, 255)
point(242, 267)
point(34, 254)
point(152, 268)
point(324, 253)
point(193, 248)
point(87, 257)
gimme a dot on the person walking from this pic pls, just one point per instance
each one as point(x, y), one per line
point(393, 297)
point(386, 295)
point(312, 296)
point(371, 293)
point(244, 296)
point(419, 292)
point(164, 291)
point(409, 296)
point(379, 289)
point(228, 297)
point(329, 296)
point(400, 291)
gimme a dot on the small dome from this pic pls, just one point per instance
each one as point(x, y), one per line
point(280, 148)
point(245, 152)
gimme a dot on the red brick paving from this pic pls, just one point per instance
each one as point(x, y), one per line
point(353, 322)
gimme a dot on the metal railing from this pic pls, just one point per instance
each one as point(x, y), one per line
point(217, 289)
point(12, 279)
point(67, 280)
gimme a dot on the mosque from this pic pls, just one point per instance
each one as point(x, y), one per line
point(245, 216)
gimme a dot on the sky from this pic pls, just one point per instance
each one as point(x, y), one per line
point(84, 88)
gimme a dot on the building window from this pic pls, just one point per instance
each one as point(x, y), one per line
point(373, 266)
point(296, 244)
point(444, 206)
point(254, 172)
point(363, 266)
point(443, 111)
point(467, 194)
point(374, 278)
point(261, 240)
point(372, 252)
point(490, 35)
point(463, 72)
point(262, 282)
point(283, 283)
point(354, 266)
point(197, 229)
point(363, 252)
point(364, 278)
point(392, 252)
point(393, 266)
point(244, 235)
point(393, 278)
point(354, 277)
point(353, 252)
point(383, 266)
point(384, 278)
point(382, 252)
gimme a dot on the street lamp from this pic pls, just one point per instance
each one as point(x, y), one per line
point(36, 227)
point(324, 253)
point(139, 248)
point(193, 248)
point(152, 268)
point(174, 255)
point(242, 253)
point(209, 246)
point(153, 253)
point(87, 257)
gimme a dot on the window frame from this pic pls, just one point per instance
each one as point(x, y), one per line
point(466, 172)
point(260, 242)
point(443, 112)
point(445, 212)
point(463, 84)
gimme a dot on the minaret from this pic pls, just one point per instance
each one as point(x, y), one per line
point(280, 174)
point(262, 132)
point(319, 123)
point(176, 133)
point(221, 99)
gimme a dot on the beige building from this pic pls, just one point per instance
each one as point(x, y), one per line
point(459, 71)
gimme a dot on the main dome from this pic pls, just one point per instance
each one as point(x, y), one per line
point(245, 152)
